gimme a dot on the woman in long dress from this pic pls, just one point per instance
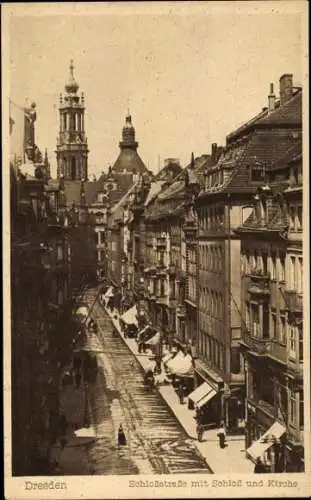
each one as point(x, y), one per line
point(121, 436)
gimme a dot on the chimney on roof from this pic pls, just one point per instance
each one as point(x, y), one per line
point(286, 88)
point(271, 99)
point(214, 152)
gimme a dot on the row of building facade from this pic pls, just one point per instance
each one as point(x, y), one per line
point(212, 255)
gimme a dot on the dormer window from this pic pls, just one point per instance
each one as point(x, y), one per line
point(221, 177)
point(257, 174)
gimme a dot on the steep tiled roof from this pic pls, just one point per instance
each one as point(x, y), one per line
point(173, 190)
point(289, 113)
point(117, 210)
point(172, 198)
point(264, 147)
point(293, 152)
point(155, 188)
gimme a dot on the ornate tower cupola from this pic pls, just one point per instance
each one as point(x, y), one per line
point(72, 150)
point(128, 135)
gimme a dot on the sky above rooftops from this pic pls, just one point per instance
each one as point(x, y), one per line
point(189, 75)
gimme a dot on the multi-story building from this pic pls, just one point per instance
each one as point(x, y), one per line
point(222, 206)
point(272, 305)
point(41, 330)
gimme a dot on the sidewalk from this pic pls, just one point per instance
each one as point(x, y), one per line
point(229, 460)
point(73, 457)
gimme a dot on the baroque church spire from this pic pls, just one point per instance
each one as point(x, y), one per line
point(72, 149)
point(128, 134)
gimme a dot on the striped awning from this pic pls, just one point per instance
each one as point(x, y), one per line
point(130, 316)
point(154, 340)
point(258, 448)
point(202, 395)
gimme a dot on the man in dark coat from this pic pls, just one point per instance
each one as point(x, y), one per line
point(121, 436)
point(259, 466)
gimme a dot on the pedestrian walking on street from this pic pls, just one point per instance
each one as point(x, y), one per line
point(121, 437)
point(222, 435)
point(259, 466)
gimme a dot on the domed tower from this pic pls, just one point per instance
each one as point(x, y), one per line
point(71, 149)
point(128, 135)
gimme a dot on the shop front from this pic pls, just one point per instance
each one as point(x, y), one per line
point(208, 397)
point(270, 447)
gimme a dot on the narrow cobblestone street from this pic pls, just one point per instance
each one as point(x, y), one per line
point(156, 443)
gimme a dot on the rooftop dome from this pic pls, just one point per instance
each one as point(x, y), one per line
point(71, 86)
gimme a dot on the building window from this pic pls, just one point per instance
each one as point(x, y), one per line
point(113, 246)
point(257, 174)
point(291, 280)
point(235, 360)
point(60, 297)
point(301, 410)
point(299, 218)
point(299, 275)
point(292, 407)
point(281, 267)
point(300, 339)
point(292, 332)
point(282, 329)
point(291, 217)
point(264, 259)
point(247, 315)
point(273, 266)
point(255, 320)
point(274, 329)
point(60, 251)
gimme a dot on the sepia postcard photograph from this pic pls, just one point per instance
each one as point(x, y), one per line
point(156, 250)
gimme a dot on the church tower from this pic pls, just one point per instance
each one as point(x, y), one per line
point(128, 135)
point(71, 149)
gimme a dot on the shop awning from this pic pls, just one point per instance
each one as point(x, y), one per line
point(174, 361)
point(130, 316)
point(185, 367)
point(154, 340)
point(258, 448)
point(206, 398)
point(202, 394)
point(167, 357)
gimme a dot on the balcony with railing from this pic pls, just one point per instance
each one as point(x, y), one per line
point(293, 300)
point(257, 344)
point(259, 282)
point(265, 347)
